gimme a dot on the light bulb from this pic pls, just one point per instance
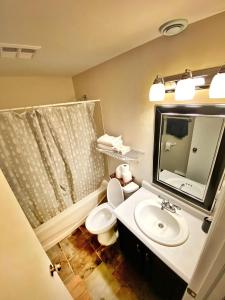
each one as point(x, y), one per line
point(157, 90)
point(217, 86)
point(185, 89)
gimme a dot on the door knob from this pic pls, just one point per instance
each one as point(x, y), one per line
point(194, 149)
point(147, 256)
point(138, 248)
point(54, 268)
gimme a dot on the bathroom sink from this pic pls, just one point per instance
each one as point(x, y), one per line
point(161, 226)
point(196, 190)
point(183, 184)
point(176, 182)
point(190, 187)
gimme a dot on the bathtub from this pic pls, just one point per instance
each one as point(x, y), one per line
point(62, 225)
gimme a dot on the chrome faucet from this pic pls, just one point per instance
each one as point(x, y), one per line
point(181, 186)
point(185, 184)
point(169, 206)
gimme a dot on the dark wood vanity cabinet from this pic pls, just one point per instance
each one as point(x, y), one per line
point(162, 280)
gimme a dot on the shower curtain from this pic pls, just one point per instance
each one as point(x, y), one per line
point(49, 158)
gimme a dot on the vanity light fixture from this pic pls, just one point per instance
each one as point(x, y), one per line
point(185, 84)
point(157, 90)
point(217, 86)
point(185, 88)
point(199, 81)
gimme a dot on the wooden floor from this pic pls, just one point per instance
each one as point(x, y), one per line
point(92, 271)
point(77, 288)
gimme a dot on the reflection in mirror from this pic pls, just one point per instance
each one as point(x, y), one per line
point(188, 149)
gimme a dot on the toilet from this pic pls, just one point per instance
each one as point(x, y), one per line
point(102, 220)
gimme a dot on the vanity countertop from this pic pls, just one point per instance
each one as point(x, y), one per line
point(181, 259)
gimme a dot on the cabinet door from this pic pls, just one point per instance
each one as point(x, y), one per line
point(162, 280)
point(131, 247)
point(165, 283)
point(148, 263)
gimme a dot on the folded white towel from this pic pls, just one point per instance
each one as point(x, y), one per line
point(123, 149)
point(109, 140)
point(119, 149)
point(105, 147)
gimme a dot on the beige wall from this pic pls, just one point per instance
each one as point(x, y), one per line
point(123, 82)
point(25, 91)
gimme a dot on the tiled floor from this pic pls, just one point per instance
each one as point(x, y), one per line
point(92, 271)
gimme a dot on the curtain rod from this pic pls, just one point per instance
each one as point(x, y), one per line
point(49, 105)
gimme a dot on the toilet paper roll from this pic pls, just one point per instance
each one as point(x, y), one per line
point(127, 176)
point(118, 172)
point(124, 168)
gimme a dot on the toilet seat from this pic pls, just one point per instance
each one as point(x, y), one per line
point(101, 219)
point(115, 194)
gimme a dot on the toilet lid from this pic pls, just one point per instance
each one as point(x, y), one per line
point(114, 193)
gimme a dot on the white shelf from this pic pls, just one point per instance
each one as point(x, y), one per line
point(132, 155)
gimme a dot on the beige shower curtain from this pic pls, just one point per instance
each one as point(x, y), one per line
point(49, 158)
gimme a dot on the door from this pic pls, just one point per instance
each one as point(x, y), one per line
point(219, 290)
point(24, 266)
point(205, 137)
point(208, 280)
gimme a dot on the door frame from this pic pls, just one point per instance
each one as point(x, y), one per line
point(211, 265)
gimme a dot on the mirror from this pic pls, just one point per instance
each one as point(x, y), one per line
point(188, 142)
point(188, 149)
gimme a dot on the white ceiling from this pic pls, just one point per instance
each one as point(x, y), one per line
point(78, 34)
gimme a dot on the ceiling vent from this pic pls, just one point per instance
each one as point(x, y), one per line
point(173, 27)
point(18, 51)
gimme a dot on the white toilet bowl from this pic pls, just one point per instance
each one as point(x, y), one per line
point(102, 220)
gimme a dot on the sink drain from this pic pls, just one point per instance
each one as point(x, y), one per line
point(160, 225)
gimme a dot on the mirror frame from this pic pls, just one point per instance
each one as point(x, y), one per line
point(219, 165)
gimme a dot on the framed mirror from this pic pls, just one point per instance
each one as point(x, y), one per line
point(189, 151)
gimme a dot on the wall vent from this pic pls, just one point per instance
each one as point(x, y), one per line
point(18, 51)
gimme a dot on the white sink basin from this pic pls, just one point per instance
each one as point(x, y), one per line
point(183, 184)
point(176, 182)
point(161, 226)
point(193, 188)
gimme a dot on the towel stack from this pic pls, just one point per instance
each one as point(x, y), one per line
point(112, 143)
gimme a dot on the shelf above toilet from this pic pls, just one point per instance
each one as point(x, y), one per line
point(133, 155)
